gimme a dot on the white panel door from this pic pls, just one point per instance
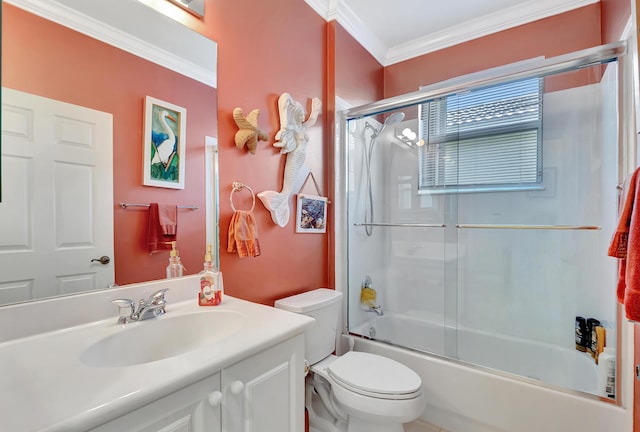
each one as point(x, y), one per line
point(56, 213)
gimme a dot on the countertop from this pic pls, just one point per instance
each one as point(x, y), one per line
point(46, 387)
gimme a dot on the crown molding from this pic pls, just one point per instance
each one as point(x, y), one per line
point(336, 10)
point(117, 25)
point(360, 32)
point(514, 16)
point(482, 26)
point(325, 8)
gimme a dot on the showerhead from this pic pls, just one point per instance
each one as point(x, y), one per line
point(392, 119)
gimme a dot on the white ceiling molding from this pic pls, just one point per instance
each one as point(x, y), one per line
point(336, 10)
point(360, 32)
point(333, 9)
point(323, 8)
point(483, 25)
point(117, 22)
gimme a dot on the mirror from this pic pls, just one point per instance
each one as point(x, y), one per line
point(86, 54)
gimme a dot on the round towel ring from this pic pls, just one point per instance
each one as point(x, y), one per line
point(237, 186)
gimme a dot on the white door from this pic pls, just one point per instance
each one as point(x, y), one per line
point(56, 209)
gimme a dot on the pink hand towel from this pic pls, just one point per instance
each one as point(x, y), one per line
point(243, 234)
point(163, 226)
point(625, 245)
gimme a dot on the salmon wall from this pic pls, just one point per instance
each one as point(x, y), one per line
point(359, 78)
point(615, 16)
point(266, 49)
point(559, 34)
point(55, 62)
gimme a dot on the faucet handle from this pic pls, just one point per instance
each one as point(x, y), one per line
point(158, 296)
point(126, 308)
point(160, 306)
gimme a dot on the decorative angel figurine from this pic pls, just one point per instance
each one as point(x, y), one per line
point(292, 139)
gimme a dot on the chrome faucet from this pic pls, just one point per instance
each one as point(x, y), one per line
point(376, 309)
point(151, 307)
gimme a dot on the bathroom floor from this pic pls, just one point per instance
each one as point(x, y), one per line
point(420, 426)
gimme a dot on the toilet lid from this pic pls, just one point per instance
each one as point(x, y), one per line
point(374, 375)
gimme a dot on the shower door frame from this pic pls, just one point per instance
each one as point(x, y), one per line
point(537, 67)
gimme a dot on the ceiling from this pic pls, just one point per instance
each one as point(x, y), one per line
point(397, 30)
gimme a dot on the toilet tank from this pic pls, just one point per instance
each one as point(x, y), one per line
point(324, 305)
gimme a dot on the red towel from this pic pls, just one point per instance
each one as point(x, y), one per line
point(243, 234)
point(625, 245)
point(163, 226)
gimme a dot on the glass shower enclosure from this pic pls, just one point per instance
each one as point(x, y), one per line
point(479, 212)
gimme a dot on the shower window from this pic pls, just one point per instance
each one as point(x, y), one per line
point(484, 139)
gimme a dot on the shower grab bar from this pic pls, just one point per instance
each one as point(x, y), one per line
point(412, 225)
point(531, 227)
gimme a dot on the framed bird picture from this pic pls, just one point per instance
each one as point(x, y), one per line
point(164, 144)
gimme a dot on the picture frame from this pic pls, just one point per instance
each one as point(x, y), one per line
point(311, 214)
point(164, 143)
point(195, 7)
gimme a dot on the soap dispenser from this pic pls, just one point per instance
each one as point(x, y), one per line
point(210, 283)
point(175, 267)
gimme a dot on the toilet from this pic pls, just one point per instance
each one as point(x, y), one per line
point(355, 392)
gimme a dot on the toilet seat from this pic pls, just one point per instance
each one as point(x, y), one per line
point(375, 376)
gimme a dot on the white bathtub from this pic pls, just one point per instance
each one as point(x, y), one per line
point(464, 398)
point(565, 368)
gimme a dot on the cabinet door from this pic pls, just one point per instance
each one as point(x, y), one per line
point(195, 408)
point(265, 393)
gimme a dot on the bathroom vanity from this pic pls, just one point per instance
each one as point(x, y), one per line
point(234, 367)
point(256, 391)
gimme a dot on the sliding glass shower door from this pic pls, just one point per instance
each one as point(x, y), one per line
point(478, 223)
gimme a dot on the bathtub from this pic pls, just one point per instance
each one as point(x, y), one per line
point(561, 367)
point(465, 398)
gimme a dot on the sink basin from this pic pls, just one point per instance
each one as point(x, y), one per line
point(160, 338)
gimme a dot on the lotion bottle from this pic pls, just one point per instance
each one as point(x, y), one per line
point(607, 373)
point(210, 287)
point(175, 267)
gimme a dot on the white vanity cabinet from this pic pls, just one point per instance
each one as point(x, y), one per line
point(195, 408)
point(262, 393)
point(265, 393)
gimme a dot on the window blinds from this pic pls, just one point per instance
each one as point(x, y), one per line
point(484, 139)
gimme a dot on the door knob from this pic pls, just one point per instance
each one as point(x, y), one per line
point(104, 260)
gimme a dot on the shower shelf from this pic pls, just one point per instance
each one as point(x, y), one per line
point(534, 227)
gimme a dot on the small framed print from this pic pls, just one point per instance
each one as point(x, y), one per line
point(196, 7)
point(164, 144)
point(311, 214)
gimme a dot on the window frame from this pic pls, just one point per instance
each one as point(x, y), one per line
point(438, 144)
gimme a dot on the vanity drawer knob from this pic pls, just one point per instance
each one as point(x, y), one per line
point(236, 387)
point(215, 398)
